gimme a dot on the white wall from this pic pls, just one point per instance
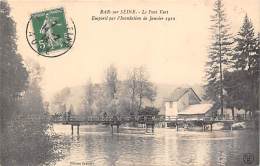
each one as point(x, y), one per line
point(179, 106)
point(183, 102)
point(170, 111)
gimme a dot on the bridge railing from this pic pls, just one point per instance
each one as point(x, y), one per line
point(112, 118)
point(140, 119)
point(100, 118)
point(170, 118)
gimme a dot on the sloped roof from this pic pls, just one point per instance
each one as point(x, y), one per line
point(178, 93)
point(196, 109)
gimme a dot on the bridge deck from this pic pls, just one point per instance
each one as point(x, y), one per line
point(142, 120)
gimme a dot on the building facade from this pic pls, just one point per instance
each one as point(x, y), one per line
point(184, 102)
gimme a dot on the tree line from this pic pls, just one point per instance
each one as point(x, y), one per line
point(25, 137)
point(232, 69)
point(113, 96)
point(119, 97)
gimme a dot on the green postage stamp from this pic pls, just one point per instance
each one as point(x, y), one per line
point(52, 35)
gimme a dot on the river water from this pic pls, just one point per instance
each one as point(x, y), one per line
point(96, 145)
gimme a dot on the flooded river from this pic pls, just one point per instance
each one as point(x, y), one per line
point(96, 145)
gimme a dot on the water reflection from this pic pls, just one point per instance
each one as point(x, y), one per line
point(96, 145)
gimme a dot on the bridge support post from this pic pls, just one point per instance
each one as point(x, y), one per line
point(152, 128)
point(71, 129)
point(211, 127)
point(112, 128)
point(78, 129)
point(177, 127)
point(117, 129)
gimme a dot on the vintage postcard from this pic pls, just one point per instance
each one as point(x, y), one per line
point(129, 82)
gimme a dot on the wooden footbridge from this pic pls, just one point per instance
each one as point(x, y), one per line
point(147, 121)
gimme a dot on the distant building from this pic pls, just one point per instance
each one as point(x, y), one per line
point(184, 102)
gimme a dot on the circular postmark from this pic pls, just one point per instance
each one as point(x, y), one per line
point(248, 158)
point(50, 34)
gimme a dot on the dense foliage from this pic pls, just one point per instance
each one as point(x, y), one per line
point(237, 61)
point(26, 136)
point(242, 80)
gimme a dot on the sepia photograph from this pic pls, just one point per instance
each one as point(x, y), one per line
point(129, 82)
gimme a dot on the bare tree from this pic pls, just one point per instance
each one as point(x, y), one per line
point(140, 88)
point(89, 97)
point(111, 89)
point(145, 88)
point(131, 85)
point(111, 81)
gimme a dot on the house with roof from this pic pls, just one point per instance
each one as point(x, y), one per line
point(185, 103)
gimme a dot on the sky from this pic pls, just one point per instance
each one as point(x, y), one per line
point(173, 52)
